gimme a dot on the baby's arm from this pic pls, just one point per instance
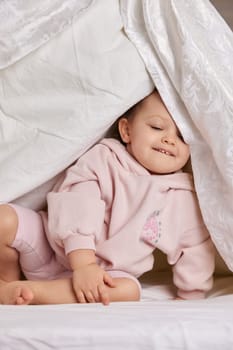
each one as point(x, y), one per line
point(193, 271)
point(89, 279)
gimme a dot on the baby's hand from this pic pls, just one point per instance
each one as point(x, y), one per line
point(90, 284)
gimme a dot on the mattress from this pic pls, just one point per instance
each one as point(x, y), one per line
point(61, 90)
point(156, 322)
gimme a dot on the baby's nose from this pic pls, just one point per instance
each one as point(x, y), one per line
point(169, 139)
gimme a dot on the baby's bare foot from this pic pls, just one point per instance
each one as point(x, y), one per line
point(15, 293)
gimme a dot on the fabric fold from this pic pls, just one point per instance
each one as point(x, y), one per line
point(188, 50)
point(26, 25)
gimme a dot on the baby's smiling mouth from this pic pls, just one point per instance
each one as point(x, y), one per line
point(164, 151)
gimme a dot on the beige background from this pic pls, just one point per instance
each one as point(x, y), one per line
point(225, 8)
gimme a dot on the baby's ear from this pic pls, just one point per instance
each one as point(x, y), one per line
point(123, 127)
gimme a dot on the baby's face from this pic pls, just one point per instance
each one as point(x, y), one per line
point(154, 139)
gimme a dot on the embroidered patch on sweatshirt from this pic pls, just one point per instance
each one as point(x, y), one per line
point(151, 231)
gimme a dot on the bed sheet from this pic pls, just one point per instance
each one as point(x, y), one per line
point(156, 322)
point(58, 100)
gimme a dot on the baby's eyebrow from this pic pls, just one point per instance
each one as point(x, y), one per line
point(156, 116)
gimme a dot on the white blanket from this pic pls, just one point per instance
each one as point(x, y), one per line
point(26, 25)
point(60, 90)
point(188, 50)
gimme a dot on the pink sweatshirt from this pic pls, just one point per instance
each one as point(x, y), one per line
point(109, 203)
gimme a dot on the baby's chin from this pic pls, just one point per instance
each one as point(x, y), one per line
point(162, 168)
point(166, 170)
point(163, 172)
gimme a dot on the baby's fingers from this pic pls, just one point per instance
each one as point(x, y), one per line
point(87, 297)
point(90, 297)
point(103, 294)
point(109, 280)
point(80, 297)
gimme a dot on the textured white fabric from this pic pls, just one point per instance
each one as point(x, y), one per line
point(58, 100)
point(26, 25)
point(154, 323)
point(188, 50)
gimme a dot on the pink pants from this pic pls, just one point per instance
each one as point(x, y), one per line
point(37, 259)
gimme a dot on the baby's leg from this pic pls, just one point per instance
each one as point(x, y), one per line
point(9, 258)
point(125, 290)
point(37, 292)
point(61, 292)
point(36, 257)
point(127, 287)
point(13, 293)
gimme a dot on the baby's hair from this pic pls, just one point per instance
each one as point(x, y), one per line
point(113, 130)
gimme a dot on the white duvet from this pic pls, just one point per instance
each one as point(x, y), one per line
point(60, 89)
point(60, 92)
point(188, 50)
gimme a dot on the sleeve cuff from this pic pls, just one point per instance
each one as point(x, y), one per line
point(78, 241)
point(191, 295)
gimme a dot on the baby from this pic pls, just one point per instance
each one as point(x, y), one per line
point(119, 202)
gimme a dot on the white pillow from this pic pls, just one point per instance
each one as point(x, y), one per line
point(60, 99)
